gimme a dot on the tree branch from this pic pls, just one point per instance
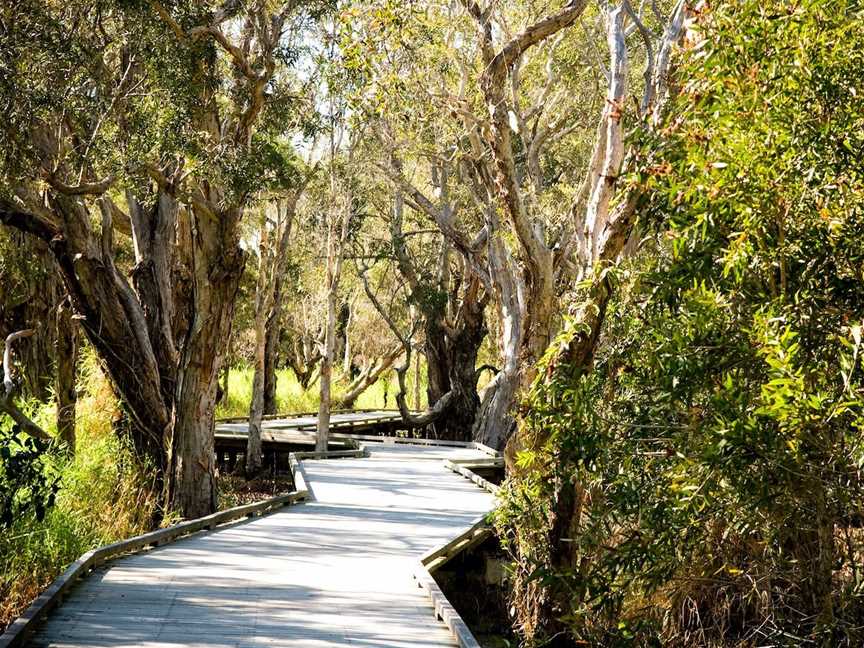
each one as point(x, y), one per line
point(85, 188)
point(28, 222)
point(6, 404)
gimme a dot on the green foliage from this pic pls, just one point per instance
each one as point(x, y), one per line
point(714, 455)
point(27, 488)
point(103, 496)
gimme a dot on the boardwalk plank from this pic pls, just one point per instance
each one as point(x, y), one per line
point(333, 572)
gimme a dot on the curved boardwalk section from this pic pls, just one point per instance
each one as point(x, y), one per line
point(336, 571)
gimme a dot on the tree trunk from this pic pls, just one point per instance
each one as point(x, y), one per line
point(271, 355)
point(437, 352)
point(193, 488)
point(254, 457)
point(66, 359)
point(216, 269)
point(495, 423)
point(323, 436)
point(343, 317)
point(272, 265)
point(417, 382)
point(458, 422)
point(34, 306)
point(457, 351)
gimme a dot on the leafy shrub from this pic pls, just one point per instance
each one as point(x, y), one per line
point(715, 453)
point(26, 486)
point(103, 496)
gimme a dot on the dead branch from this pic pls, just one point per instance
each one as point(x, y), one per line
point(6, 403)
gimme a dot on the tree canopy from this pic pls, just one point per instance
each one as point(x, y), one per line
point(618, 241)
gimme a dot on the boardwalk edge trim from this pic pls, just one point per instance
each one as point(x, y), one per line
point(20, 630)
point(469, 538)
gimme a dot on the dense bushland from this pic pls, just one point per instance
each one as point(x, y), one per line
point(715, 450)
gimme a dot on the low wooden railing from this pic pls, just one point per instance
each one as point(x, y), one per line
point(469, 538)
point(289, 415)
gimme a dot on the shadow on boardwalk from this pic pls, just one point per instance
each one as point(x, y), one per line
point(334, 572)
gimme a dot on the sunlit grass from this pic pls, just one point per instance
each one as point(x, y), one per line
point(103, 498)
point(291, 397)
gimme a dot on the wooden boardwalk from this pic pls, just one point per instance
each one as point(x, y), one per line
point(336, 571)
point(302, 428)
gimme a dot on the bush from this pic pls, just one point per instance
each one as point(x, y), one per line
point(27, 487)
point(715, 453)
point(103, 495)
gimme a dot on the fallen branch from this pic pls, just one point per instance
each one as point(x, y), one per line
point(6, 403)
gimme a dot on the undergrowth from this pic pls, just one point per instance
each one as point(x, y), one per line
point(103, 497)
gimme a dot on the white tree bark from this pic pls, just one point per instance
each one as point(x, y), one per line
point(334, 272)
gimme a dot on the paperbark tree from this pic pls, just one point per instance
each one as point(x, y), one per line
point(337, 218)
point(447, 301)
point(158, 332)
point(29, 296)
point(504, 141)
point(34, 296)
point(367, 378)
point(604, 217)
point(527, 265)
point(274, 235)
point(605, 222)
point(452, 305)
point(303, 356)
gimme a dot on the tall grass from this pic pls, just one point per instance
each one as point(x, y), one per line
point(291, 397)
point(103, 497)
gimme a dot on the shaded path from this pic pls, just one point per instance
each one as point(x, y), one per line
point(333, 572)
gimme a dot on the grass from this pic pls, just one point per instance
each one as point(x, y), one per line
point(291, 397)
point(103, 498)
